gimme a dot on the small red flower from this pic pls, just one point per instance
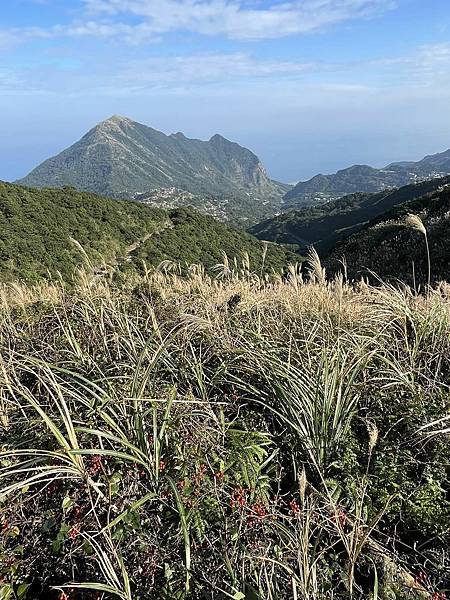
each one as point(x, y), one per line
point(200, 475)
point(295, 508)
point(239, 498)
point(74, 532)
point(219, 476)
point(162, 465)
point(77, 512)
point(421, 578)
point(259, 509)
point(258, 512)
point(96, 465)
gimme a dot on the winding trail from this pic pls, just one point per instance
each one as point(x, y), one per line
point(138, 243)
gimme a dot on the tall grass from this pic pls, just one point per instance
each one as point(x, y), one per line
point(416, 223)
point(240, 436)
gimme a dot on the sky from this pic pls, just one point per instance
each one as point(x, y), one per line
point(309, 85)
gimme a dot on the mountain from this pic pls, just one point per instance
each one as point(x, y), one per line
point(393, 251)
point(433, 162)
point(324, 225)
point(38, 226)
point(362, 178)
point(121, 158)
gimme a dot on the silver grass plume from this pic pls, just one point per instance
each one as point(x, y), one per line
point(317, 271)
point(416, 223)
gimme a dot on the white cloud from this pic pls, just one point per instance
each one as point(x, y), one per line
point(209, 68)
point(433, 62)
point(435, 53)
point(239, 19)
point(235, 19)
point(224, 73)
point(428, 65)
point(167, 74)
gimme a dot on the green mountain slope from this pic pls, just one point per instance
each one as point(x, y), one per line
point(324, 225)
point(362, 178)
point(121, 158)
point(236, 210)
point(37, 225)
point(394, 251)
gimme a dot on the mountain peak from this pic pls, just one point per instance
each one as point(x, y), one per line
point(218, 138)
point(179, 135)
point(121, 157)
point(118, 119)
point(114, 122)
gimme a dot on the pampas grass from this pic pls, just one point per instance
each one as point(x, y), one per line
point(222, 436)
point(416, 223)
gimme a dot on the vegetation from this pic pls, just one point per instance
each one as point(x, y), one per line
point(46, 233)
point(189, 437)
point(200, 239)
point(240, 211)
point(327, 224)
point(121, 158)
point(393, 248)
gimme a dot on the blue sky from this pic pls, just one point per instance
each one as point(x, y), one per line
point(309, 85)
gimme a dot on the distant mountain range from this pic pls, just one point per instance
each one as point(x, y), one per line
point(324, 225)
point(38, 228)
point(395, 252)
point(121, 158)
point(362, 178)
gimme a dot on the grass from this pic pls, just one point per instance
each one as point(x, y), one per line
point(244, 437)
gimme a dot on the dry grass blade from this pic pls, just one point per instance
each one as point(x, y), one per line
point(316, 269)
point(415, 222)
point(168, 436)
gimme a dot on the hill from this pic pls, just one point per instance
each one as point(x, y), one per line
point(326, 224)
point(37, 225)
point(387, 247)
point(236, 210)
point(362, 178)
point(121, 158)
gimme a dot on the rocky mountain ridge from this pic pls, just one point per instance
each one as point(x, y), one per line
point(121, 158)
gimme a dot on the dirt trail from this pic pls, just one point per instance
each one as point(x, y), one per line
point(105, 268)
point(147, 236)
